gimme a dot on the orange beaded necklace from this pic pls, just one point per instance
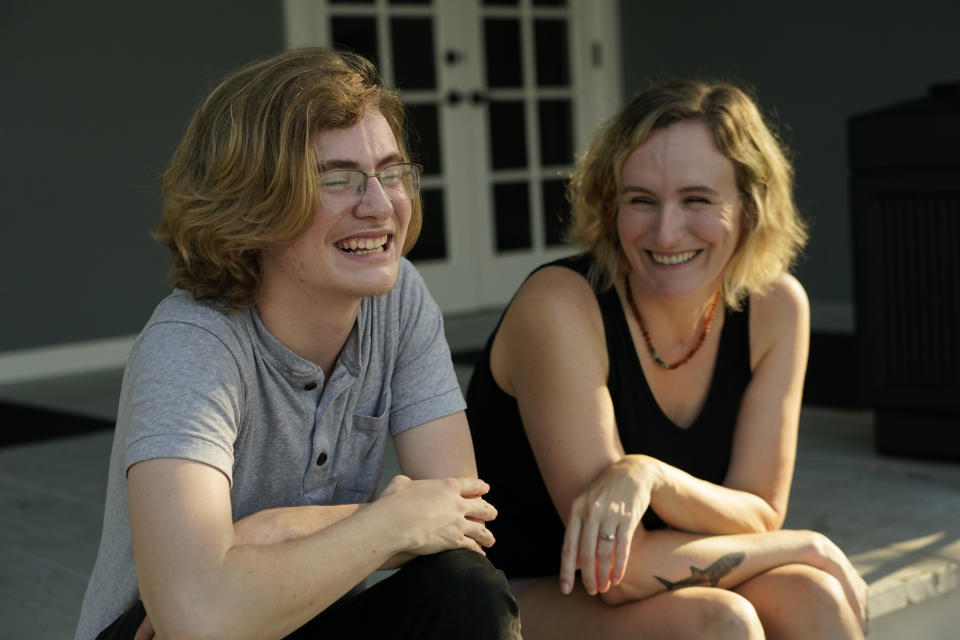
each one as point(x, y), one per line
point(646, 336)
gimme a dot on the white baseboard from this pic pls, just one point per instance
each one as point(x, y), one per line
point(469, 331)
point(464, 332)
point(64, 359)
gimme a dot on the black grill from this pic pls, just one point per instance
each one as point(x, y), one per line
point(905, 199)
point(921, 278)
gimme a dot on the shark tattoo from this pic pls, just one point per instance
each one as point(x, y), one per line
point(709, 576)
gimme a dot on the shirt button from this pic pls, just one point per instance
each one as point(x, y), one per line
point(310, 386)
point(321, 458)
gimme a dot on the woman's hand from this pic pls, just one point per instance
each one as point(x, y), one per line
point(836, 563)
point(437, 515)
point(602, 524)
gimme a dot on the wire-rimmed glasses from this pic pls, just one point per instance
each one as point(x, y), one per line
point(344, 188)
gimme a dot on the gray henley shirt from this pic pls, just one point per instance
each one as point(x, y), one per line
point(218, 388)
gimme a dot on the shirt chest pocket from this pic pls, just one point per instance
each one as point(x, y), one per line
point(362, 455)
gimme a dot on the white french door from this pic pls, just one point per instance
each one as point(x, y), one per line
point(502, 94)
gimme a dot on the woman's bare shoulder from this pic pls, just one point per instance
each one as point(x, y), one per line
point(780, 312)
point(784, 298)
point(555, 295)
point(553, 327)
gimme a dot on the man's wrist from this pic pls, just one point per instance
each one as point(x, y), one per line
point(378, 516)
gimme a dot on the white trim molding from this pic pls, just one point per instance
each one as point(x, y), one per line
point(64, 359)
point(469, 331)
point(305, 23)
point(464, 332)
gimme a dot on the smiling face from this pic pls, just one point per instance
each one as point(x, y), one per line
point(679, 213)
point(354, 251)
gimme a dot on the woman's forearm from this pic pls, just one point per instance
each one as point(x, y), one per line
point(669, 559)
point(690, 504)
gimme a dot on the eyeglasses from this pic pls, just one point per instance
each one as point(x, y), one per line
point(344, 188)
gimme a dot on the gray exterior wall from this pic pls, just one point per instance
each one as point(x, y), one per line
point(813, 64)
point(96, 96)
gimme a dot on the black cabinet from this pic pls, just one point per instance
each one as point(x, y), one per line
point(905, 201)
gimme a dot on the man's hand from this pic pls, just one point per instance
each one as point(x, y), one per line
point(437, 515)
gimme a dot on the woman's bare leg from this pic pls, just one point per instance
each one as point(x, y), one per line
point(694, 612)
point(799, 601)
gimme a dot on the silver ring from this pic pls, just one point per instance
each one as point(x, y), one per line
point(609, 537)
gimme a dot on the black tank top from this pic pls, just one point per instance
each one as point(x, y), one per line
point(528, 530)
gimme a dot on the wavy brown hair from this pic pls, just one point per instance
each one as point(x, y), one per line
point(244, 178)
point(772, 232)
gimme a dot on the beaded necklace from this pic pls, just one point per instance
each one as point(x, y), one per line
point(646, 336)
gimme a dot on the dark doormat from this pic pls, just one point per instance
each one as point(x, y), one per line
point(20, 424)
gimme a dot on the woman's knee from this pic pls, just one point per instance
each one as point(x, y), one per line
point(811, 591)
point(800, 601)
point(719, 613)
point(693, 613)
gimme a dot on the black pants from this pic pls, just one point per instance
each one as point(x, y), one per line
point(454, 594)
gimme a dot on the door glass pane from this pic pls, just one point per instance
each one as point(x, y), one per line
point(508, 135)
point(550, 38)
point(413, 57)
point(511, 216)
point(425, 137)
point(432, 243)
point(501, 38)
point(556, 132)
point(556, 211)
point(356, 34)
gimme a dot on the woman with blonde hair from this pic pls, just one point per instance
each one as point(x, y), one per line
point(636, 409)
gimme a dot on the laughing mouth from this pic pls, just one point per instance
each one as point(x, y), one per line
point(674, 258)
point(363, 246)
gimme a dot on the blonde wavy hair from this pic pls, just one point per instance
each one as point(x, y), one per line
point(244, 178)
point(772, 232)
